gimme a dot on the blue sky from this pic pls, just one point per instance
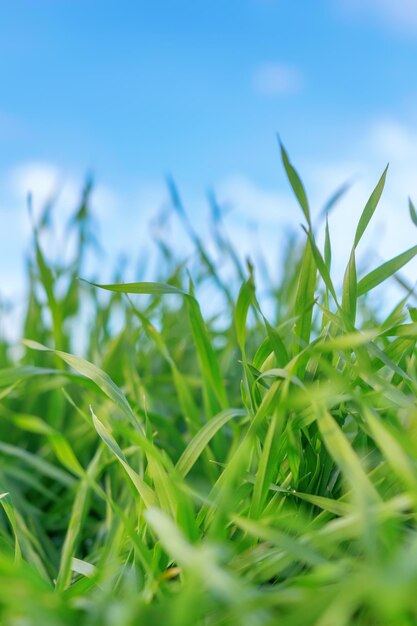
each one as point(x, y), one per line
point(132, 90)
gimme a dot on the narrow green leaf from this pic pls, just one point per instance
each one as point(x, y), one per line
point(347, 341)
point(209, 364)
point(94, 373)
point(327, 247)
point(146, 493)
point(305, 298)
point(245, 298)
point(11, 375)
point(384, 271)
point(321, 266)
point(8, 508)
point(267, 467)
point(48, 282)
point(300, 550)
point(370, 207)
point(341, 450)
point(392, 449)
point(144, 288)
point(296, 184)
point(201, 440)
point(277, 344)
point(212, 376)
point(349, 293)
point(78, 515)
point(413, 212)
point(335, 198)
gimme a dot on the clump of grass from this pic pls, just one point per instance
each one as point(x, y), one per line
point(185, 471)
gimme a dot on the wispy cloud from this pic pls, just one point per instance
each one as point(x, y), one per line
point(277, 79)
point(254, 202)
point(45, 181)
point(41, 179)
point(121, 216)
point(394, 140)
point(394, 14)
point(258, 213)
point(275, 210)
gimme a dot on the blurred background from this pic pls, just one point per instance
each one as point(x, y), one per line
point(133, 91)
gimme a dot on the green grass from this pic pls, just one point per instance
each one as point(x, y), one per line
point(236, 470)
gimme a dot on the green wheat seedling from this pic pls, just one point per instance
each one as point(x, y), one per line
point(245, 469)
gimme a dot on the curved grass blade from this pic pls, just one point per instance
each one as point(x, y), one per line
point(203, 437)
point(370, 207)
point(304, 300)
point(94, 373)
point(212, 376)
point(146, 493)
point(296, 184)
point(350, 291)
point(384, 271)
point(413, 212)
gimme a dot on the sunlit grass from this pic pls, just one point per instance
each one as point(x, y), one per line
point(237, 470)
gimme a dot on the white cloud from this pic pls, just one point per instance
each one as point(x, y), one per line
point(259, 222)
point(391, 230)
point(277, 79)
point(393, 140)
point(395, 143)
point(398, 14)
point(38, 178)
point(124, 217)
point(44, 182)
point(275, 211)
point(255, 202)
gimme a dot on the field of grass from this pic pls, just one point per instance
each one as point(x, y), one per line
point(181, 471)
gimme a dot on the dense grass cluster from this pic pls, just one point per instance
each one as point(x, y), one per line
point(237, 470)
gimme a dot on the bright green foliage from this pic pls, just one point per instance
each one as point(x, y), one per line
point(177, 469)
